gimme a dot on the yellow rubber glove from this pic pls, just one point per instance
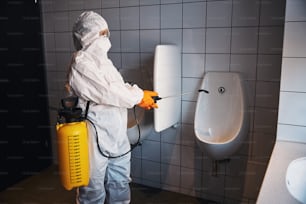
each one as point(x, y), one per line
point(147, 101)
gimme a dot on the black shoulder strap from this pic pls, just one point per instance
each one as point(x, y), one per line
point(86, 110)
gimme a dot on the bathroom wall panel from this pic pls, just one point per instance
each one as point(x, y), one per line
point(219, 14)
point(92, 4)
point(76, 4)
point(250, 87)
point(193, 65)
point(171, 16)
point(49, 42)
point(151, 146)
point(58, 5)
point(295, 10)
point(188, 110)
point(263, 151)
point(48, 25)
point(170, 175)
point(61, 22)
point(218, 40)
point(190, 181)
point(291, 133)
point(293, 75)
point(253, 177)
point(111, 15)
point(191, 157)
point(217, 62)
point(245, 13)
point(295, 39)
point(267, 94)
point(244, 40)
point(47, 6)
point(212, 185)
point(110, 3)
point(190, 87)
point(149, 2)
point(150, 17)
point(272, 12)
point(130, 60)
point(129, 3)
point(245, 149)
point(188, 137)
point(129, 18)
point(270, 40)
point(115, 39)
point(148, 40)
point(130, 41)
point(62, 61)
point(194, 40)
point(234, 169)
point(172, 36)
point(171, 136)
point(116, 58)
point(234, 187)
point(62, 42)
point(136, 153)
point(170, 154)
point(150, 173)
point(246, 64)
point(136, 168)
point(154, 136)
point(292, 108)
point(265, 120)
point(194, 15)
point(268, 67)
point(50, 60)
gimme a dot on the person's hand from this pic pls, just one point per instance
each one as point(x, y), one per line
point(147, 101)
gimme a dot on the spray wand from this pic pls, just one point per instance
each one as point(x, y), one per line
point(157, 98)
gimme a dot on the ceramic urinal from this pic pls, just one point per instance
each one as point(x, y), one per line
point(221, 119)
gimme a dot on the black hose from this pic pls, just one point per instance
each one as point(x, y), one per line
point(132, 145)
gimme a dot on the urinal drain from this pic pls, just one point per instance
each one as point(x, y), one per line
point(221, 90)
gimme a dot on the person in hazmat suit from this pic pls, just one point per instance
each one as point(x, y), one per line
point(93, 77)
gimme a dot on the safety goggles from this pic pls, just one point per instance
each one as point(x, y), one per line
point(105, 33)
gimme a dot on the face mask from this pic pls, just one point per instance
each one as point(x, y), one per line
point(103, 43)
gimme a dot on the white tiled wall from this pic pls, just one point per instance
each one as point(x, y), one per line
point(292, 105)
point(214, 35)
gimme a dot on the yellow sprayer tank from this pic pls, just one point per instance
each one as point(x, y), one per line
point(73, 158)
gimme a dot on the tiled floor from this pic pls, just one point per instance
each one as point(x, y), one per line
point(45, 188)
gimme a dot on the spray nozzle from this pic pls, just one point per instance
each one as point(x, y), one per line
point(156, 98)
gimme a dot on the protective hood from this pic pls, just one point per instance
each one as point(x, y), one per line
point(87, 28)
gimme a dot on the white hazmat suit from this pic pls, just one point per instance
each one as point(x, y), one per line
point(93, 77)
